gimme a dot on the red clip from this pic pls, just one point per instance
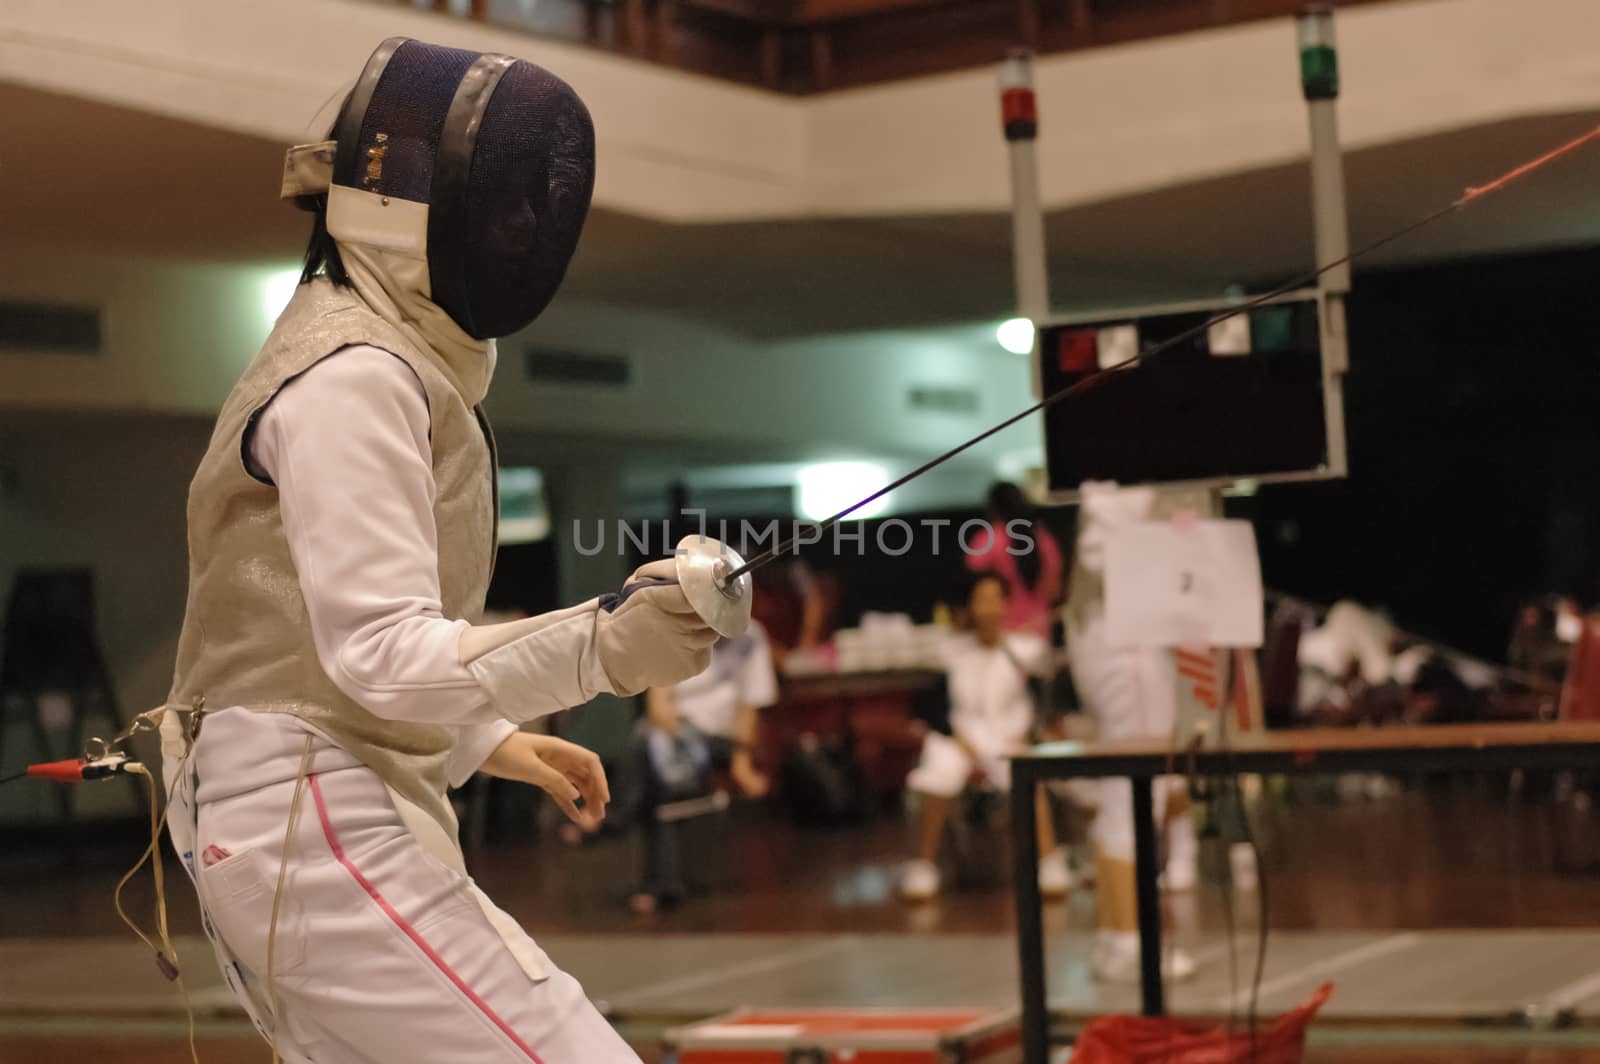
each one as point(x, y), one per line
point(79, 771)
point(59, 771)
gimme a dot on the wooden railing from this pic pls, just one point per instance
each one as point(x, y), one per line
point(806, 46)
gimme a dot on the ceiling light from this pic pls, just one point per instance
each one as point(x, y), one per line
point(825, 488)
point(1016, 336)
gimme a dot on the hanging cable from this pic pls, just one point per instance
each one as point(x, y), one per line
point(166, 953)
point(277, 894)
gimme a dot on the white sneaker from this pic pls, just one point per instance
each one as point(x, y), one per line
point(1242, 858)
point(1055, 878)
point(1116, 959)
point(1183, 856)
point(919, 881)
point(1180, 875)
point(1177, 965)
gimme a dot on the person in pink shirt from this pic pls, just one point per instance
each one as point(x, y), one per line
point(1022, 552)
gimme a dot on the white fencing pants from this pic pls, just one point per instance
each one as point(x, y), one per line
point(382, 952)
point(1131, 692)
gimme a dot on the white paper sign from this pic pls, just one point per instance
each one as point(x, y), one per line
point(1117, 344)
point(1191, 584)
point(1230, 336)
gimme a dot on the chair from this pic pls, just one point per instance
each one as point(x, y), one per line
point(685, 830)
point(704, 830)
point(976, 854)
point(1280, 663)
point(1580, 694)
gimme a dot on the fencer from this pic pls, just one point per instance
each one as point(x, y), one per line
point(341, 535)
point(1129, 692)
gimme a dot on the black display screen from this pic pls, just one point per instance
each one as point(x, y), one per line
point(1243, 399)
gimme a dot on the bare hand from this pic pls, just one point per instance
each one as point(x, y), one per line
point(563, 770)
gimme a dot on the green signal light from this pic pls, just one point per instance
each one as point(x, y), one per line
point(1319, 63)
point(1271, 329)
point(1319, 72)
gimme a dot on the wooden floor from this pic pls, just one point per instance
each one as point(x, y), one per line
point(1359, 875)
point(139, 1049)
point(1460, 853)
point(244, 1047)
point(1488, 980)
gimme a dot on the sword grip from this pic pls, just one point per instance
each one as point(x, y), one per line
point(610, 602)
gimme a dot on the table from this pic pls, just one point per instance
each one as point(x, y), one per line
point(1434, 748)
point(875, 711)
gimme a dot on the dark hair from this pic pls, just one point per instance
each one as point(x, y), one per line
point(1006, 504)
point(976, 580)
point(322, 253)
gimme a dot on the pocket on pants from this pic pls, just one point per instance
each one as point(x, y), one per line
point(237, 894)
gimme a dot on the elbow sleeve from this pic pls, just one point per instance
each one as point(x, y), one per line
point(409, 671)
point(555, 667)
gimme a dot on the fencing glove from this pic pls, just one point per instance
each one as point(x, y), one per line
point(649, 635)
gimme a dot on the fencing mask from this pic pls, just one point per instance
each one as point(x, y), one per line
point(476, 164)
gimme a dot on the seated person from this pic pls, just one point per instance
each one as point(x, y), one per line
point(1357, 668)
point(991, 714)
point(705, 724)
point(1543, 637)
point(1350, 655)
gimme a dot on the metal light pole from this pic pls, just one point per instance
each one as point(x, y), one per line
point(1019, 115)
point(1319, 81)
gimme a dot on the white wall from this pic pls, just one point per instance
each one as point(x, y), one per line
point(679, 147)
point(1154, 114)
point(823, 397)
point(176, 337)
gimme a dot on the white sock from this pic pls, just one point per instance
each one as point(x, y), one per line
point(1109, 941)
point(1182, 843)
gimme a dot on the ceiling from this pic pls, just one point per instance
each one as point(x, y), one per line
point(127, 182)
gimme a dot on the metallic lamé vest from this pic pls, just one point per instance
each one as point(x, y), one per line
point(246, 638)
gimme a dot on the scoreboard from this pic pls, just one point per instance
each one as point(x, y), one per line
point(1250, 398)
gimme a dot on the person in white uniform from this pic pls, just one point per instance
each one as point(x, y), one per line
point(1351, 641)
point(1130, 692)
point(330, 683)
point(991, 714)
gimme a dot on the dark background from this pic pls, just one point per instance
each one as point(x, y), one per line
point(1471, 408)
